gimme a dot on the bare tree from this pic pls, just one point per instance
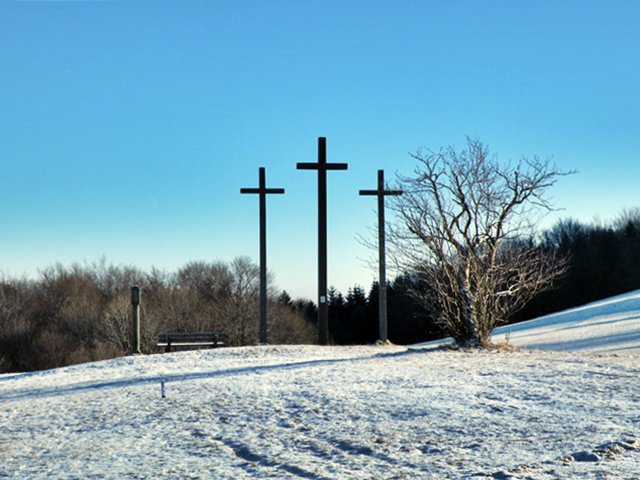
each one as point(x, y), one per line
point(241, 307)
point(460, 225)
point(115, 325)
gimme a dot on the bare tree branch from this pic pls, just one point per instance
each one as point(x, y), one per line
point(461, 224)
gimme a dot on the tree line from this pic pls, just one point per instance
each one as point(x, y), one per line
point(82, 313)
point(353, 318)
point(602, 260)
point(464, 234)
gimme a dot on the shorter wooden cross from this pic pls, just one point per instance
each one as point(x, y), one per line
point(382, 283)
point(263, 191)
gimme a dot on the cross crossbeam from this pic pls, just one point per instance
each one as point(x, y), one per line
point(322, 166)
point(381, 192)
point(263, 191)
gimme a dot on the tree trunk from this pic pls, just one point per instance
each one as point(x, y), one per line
point(473, 340)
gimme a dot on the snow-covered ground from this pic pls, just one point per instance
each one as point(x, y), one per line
point(334, 413)
point(611, 325)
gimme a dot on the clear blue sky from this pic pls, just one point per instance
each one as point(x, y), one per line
point(127, 128)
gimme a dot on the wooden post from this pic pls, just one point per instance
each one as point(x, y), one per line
point(135, 321)
point(322, 166)
point(382, 270)
point(262, 190)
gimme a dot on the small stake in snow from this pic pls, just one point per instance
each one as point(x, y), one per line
point(262, 190)
point(382, 282)
point(162, 390)
point(135, 321)
point(322, 166)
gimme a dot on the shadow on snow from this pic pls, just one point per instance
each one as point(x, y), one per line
point(45, 392)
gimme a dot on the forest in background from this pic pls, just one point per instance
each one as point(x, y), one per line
point(82, 313)
point(603, 260)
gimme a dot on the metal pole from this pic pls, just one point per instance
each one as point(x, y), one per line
point(263, 257)
point(135, 321)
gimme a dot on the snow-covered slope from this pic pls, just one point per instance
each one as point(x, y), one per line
point(611, 325)
point(306, 412)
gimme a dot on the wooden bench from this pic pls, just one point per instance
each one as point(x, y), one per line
point(191, 339)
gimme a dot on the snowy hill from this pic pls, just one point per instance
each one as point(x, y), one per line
point(611, 325)
point(307, 412)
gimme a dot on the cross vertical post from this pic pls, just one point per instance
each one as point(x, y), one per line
point(322, 166)
point(382, 270)
point(262, 191)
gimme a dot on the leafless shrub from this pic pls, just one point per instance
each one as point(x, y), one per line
point(5, 364)
point(288, 327)
point(238, 314)
point(115, 326)
point(55, 349)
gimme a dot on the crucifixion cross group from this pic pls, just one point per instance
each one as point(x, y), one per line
point(323, 317)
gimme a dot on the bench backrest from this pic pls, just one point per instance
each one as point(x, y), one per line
point(176, 337)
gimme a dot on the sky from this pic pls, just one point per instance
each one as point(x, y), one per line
point(127, 128)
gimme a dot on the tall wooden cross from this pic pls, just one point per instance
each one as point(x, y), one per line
point(262, 190)
point(382, 282)
point(322, 166)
